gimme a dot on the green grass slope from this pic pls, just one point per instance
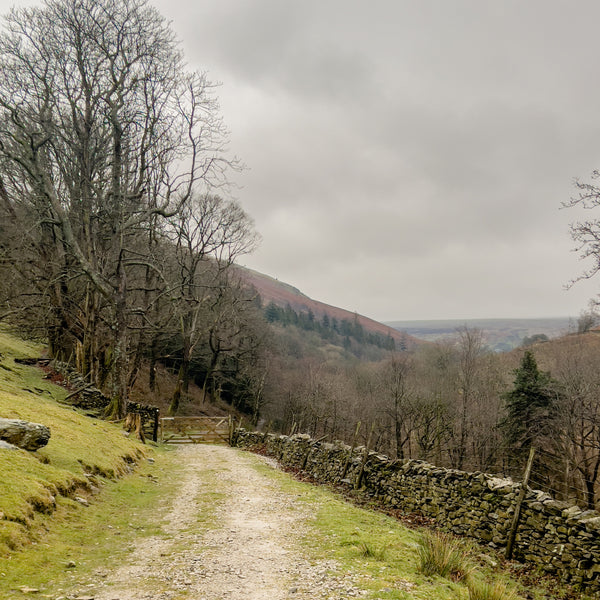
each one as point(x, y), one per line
point(80, 454)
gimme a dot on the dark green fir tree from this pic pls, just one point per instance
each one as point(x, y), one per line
point(531, 407)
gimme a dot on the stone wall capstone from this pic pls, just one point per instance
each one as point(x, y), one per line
point(558, 537)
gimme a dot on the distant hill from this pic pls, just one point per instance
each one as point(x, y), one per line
point(499, 334)
point(283, 294)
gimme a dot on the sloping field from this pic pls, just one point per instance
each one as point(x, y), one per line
point(196, 522)
point(81, 453)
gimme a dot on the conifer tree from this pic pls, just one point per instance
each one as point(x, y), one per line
point(531, 408)
point(273, 312)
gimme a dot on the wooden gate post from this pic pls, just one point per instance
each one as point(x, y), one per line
point(155, 428)
point(307, 456)
point(231, 428)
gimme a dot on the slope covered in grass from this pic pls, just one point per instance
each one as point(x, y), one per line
point(81, 451)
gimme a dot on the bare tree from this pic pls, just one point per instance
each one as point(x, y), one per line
point(436, 372)
point(587, 319)
point(208, 234)
point(574, 362)
point(586, 233)
point(103, 134)
point(400, 404)
point(470, 352)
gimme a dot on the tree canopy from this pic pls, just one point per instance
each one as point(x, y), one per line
point(110, 148)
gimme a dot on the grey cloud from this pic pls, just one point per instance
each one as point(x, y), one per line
point(408, 159)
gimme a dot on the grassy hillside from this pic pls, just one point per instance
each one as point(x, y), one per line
point(82, 453)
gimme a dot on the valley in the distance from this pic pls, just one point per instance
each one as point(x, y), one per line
point(499, 334)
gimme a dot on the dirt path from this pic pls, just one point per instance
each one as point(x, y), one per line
point(248, 550)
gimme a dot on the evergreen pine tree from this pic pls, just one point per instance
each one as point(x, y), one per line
point(272, 312)
point(530, 408)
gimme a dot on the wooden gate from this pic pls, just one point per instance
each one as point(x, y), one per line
point(195, 430)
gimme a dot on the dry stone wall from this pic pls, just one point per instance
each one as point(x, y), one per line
point(91, 399)
point(560, 538)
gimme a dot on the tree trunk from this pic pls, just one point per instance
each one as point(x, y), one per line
point(183, 377)
point(152, 365)
point(209, 383)
point(87, 363)
point(590, 493)
point(398, 439)
point(117, 409)
point(136, 363)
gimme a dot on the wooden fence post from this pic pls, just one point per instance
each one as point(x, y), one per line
point(364, 460)
point(512, 535)
point(349, 457)
point(311, 446)
point(307, 456)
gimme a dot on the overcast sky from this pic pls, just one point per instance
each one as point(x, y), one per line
point(408, 160)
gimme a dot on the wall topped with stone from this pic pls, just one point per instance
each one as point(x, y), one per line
point(560, 538)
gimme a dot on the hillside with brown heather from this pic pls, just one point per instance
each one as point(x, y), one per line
point(569, 353)
point(283, 294)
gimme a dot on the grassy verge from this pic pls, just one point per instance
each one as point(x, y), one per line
point(82, 455)
point(381, 552)
point(392, 561)
point(81, 544)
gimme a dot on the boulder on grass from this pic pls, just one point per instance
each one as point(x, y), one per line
point(23, 434)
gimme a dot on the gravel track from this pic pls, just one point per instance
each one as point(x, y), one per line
point(248, 552)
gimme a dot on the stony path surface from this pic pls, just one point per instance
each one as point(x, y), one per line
point(247, 551)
